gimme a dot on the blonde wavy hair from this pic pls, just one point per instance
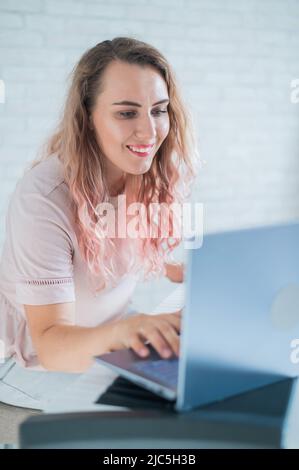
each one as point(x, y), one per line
point(167, 181)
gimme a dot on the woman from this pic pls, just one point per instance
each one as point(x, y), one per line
point(65, 287)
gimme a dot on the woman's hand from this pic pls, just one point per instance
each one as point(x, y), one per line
point(175, 272)
point(162, 331)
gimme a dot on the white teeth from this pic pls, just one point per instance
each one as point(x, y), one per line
point(139, 150)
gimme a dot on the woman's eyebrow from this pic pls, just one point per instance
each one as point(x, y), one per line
point(131, 103)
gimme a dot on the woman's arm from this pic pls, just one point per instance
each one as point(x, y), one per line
point(175, 272)
point(63, 346)
point(60, 344)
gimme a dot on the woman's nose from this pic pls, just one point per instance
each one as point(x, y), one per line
point(146, 129)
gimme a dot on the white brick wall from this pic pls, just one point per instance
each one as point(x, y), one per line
point(235, 60)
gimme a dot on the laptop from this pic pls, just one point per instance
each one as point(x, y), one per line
point(239, 322)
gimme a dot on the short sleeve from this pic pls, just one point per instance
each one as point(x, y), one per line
point(42, 248)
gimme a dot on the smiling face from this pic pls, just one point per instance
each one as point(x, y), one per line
point(118, 125)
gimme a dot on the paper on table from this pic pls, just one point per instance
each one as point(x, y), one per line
point(82, 394)
point(174, 301)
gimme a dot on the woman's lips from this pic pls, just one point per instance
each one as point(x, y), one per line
point(141, 154)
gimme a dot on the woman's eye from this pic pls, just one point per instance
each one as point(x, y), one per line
point(131, 113)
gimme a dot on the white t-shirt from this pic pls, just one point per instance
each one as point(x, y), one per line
point(41, 263)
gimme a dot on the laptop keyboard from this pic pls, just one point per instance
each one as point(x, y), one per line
point(165, 370)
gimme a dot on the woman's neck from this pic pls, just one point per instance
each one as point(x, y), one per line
point(116, 187)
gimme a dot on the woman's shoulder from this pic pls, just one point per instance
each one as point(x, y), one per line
point(41, 207)
point(43, 178)
point(42, 190)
